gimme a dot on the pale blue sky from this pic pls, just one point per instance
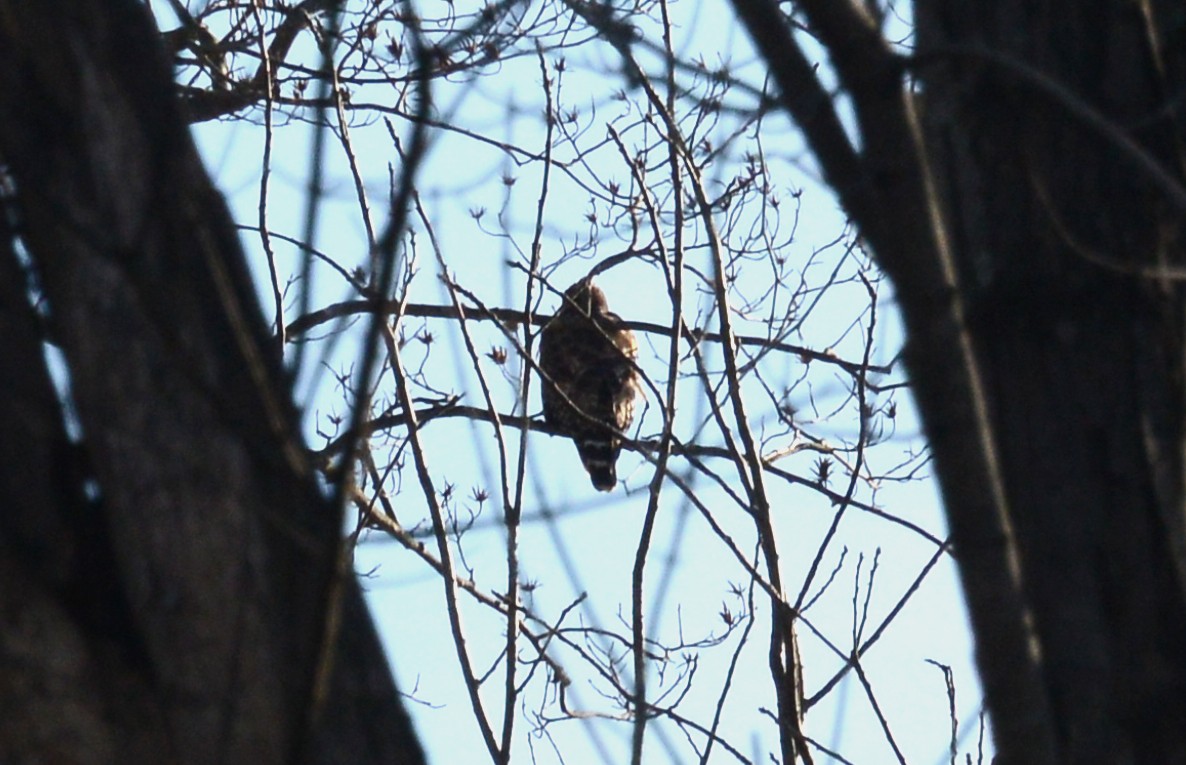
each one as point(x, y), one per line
point(588, 545)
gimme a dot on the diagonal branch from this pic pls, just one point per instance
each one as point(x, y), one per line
point(890, 193)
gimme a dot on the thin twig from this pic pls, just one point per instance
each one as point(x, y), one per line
point(889, 736)
point(308, 321)
point(446, 559)
point(862, 441)
point(265, 174)
point(877, 633)
point(949, 682)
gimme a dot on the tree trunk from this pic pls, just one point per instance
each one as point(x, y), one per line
point(166, 587)
point(1070, 253)
point(1034, 233)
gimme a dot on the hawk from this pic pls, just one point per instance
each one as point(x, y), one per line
point(586, 355)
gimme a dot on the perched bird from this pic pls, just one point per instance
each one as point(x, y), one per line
point(585, 353)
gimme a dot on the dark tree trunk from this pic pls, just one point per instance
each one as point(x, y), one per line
point(1032, 222)
point(1065, 246)
point(166, 587)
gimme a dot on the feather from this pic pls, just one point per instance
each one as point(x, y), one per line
point(586, 356)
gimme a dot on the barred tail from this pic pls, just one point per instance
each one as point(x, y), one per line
point(599, 457)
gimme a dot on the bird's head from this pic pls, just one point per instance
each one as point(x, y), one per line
point(587, 296)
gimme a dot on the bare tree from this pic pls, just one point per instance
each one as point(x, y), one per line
point(765, 386)
point(171, 576)
point(752, 538)
point(1019, 176)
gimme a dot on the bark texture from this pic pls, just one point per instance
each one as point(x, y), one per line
point(166, 586)
point(1021, 180)
point(1067, 245)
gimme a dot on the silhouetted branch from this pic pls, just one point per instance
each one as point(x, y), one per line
point(510, 316)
